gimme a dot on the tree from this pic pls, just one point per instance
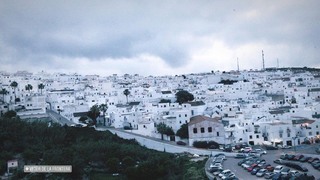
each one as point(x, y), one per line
point(83, 119)
point(183, 131)
point(184, 96)
point(29, 87)
point(126, 92)
point(103, 108)
point(41, 87)
point(94, 113)
point(14, 85)
point(10, 114)
point(113, 164)
point(164, 129)
point(3, 92)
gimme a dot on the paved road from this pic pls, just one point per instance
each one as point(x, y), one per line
point(156, 144)
point(58, 118)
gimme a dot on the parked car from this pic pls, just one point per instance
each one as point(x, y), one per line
point(269, 175)
point(312, 159)
point(181, 143)
point(219, 155)
point(246, 149)
point(217, 172)
point(270, 168)
point(261, 151)
point(215, 165)
point(294, 173)
point(276, 176)
point(241, 162)
point(240, 155)
point(261, 172)
point(298, 157)
point(305, 159)
point(283, 157)
point(250, 168)
point(215, 169)
point(228, 176)
point(290, 156)
point(277, 169)
point(278, 161)
point(268, 147)
point(218, 160)
point(225, 172)
point(286, 147)
point(255, 170)
point(285, 170)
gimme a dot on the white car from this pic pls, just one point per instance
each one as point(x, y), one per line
point(231, 175)
point(277, 169)
point(246, 149)
point(224, 173)
point(216, 165)
point(261, 151)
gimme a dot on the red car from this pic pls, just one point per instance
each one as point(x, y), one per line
point(298, 157)
point(312, 159)
point(249, 169)
point(270, 168)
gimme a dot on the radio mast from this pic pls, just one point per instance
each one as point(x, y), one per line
point(263, 67)
point(238, 64)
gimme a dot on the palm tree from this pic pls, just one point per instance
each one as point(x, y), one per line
point(14, 85)
point(103, 108)
point(29, 87)
point(41, 87)
point(3, 92)
point(126, 92)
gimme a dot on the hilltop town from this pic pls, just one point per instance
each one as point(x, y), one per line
point(272, 107)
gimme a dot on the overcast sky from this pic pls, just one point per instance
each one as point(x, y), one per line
point(162, 37)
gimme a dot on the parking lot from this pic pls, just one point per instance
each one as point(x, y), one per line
point(232, 163)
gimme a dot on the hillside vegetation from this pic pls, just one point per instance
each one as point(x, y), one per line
point(91, 153)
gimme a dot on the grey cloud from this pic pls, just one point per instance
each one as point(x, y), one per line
point(113, 29)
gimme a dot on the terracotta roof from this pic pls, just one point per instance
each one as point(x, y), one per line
point(200, 118)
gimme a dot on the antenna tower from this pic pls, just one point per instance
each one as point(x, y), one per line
point(238, 64)
point(263, 67)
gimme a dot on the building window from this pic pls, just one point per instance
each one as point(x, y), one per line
point(218, 134)
point(310, 133)
point(317, 132)
point(209, 129)
point(195, 131)
point(280, 135)
point(185, 115)
point(257, 136)
point(288, 135)
point(250, 137)
point(179, 115)
point(202, 130)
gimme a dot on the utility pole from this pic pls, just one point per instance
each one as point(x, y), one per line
point(238, 64)
point(263, 67)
